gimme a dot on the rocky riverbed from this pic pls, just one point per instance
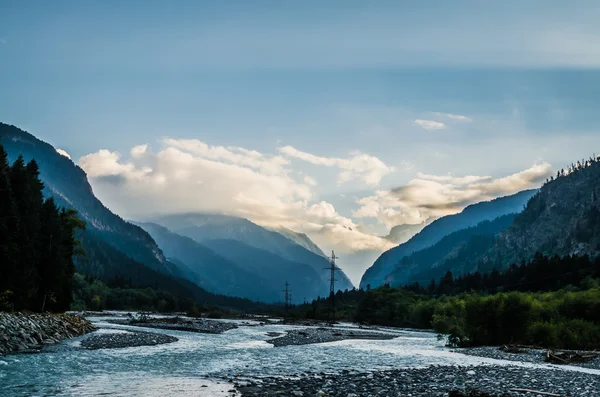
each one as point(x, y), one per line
point(180, 324)
point(20, 333)
point(321, 335)
point(433, 381)
point(527, 355)
point(125, 339)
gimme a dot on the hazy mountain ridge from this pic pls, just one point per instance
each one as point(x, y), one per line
point(208, 227)
point(453, 252)
point(272, 269)
point(300, 239)
point(208, 269)
point(434, 232)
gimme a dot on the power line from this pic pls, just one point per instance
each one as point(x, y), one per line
point(333, 268)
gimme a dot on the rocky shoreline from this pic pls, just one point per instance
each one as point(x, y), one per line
point(322, 335)
point(528, 355)
point(23, 333)
point(433, 381)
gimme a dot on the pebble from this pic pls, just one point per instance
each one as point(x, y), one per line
point(432, 381)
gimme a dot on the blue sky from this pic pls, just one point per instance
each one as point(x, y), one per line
point(428, 91)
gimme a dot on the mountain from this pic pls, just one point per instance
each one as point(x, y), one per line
point(116, 251)
point(210, 270)
point(451, 253)
point(305, 282)
point(562, 219)
point(206, 227)
point(300, 239)
point(434, 232)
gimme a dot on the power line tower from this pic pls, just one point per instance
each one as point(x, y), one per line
point(288, 296)
point(333, 268)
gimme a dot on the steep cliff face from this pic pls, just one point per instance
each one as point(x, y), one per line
point(563, 218)
point(434, 232)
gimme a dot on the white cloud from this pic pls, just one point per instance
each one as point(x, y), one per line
point(63, 153)
point(430, 125)
point(310, 181)
point(139, 150)
point(189, 175)
point(368, 168)
point(432, 196)
point(456, 117)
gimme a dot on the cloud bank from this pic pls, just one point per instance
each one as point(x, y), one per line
point(190, 175)
point(432, 196)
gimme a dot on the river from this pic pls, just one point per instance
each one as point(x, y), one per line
point(198, 363)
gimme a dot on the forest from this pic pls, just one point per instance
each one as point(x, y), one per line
point(38, 242)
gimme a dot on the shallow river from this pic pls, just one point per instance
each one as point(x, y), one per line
point(194, 365)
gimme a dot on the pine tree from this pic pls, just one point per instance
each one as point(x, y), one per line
point(8, 233)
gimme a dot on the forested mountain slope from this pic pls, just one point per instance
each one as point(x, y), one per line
point(452, 253)
point(375, 276)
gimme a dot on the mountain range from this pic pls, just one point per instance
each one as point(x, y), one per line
point(472, 215)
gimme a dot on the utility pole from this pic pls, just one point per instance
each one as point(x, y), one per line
point(288, 296)
point(333, 268)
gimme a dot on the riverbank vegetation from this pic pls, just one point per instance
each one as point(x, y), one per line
point(549, 302)
point(37, 239)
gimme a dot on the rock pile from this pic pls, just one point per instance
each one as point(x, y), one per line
point(20, 333)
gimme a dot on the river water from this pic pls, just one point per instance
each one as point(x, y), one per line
point(197, 363)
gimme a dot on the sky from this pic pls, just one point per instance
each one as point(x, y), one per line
point(337, 119)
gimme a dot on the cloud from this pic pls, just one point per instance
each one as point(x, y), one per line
point(310, 181)
point(433, 196)
point(430, 125)
point(139, 150)
point(361, 166)
point(456, 117)
point(63, 153)
point(190, 175)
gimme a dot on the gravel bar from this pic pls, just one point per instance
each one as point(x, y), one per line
point(321, 335)
point(433, 381)
point(196, 325)
point(128, 339)
point(535, 356)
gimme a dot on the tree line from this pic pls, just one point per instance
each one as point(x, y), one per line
point(541, 273)
point(547, 301)
point(38, 241)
